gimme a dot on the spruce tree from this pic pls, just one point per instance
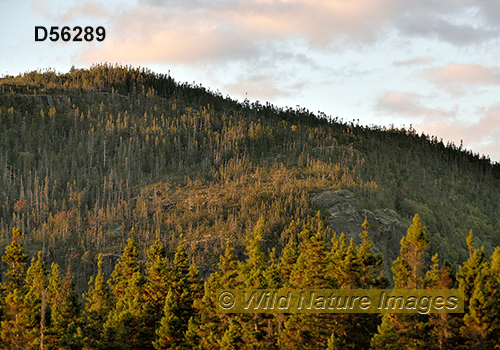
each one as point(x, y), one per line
point(414, 330)
point(124, 269)
point(191, 338)
point(231, 339)
point(212, 325)
point(168, 334)
point(181, 287)
point(66, 321)
point(309, 331)
point(35, 301)
point(482, 322)
point(158, 275)
point(97, 307)
point(387, 338)
point(14, 315)
point(15, 258)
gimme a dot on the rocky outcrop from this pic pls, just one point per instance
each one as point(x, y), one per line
point(343, 215)
point(45, 100)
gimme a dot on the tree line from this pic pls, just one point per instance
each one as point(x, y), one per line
point(164, 304)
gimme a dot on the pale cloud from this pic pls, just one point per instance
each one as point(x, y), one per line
point(481, 133)
point(410, 105)
point(280, 48)
point(461, 79)
point(198, 30)
point(75, 11)
point(481, 136)
point(255, 88)
point(466, 73)
point(264, 88)
point(413, 61)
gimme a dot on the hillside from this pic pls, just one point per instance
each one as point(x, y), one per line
point(94, 157)
point(92, 154)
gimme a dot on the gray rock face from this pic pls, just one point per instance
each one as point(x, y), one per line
point(343, 215)
point(46, 100)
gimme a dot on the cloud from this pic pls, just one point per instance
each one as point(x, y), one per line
point(413, 61)
point(482, 136)
point(458, 79)
point(258, 87)
point(76, 10)
point(409, 105)
point(198, 30)
point(467, 73)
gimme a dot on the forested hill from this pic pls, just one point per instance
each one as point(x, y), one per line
point(95, 156)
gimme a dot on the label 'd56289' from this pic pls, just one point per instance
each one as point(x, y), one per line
point(66, 34)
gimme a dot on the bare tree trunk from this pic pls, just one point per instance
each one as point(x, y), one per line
point(42, 321)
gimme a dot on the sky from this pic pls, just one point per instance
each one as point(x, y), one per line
point(431, 64)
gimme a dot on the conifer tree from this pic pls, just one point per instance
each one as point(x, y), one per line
point(387, 337)
point(125, 268)
point(158, 278)
point(288, 260)
point(36, 283)
point(408, 266)
point(181, 287)
point(466, 277)
point(213, 325)
point(231, 339)
point(133, 317)
point(97, 307)
point(191, 338)
point(168, 335)
point(309, 331)
point(414, 330)
point(257, 329)
point(194, 283)
point(66, 321)
point(355, 268)
point(14, 316)
point(482, 322)
point(15, 258)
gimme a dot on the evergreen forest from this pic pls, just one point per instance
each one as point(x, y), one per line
point(128, 198)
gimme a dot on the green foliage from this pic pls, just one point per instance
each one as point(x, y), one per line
point(15, 258)
point(127, 163)
point(127, 266)
point(98, 305)
point(168, 335)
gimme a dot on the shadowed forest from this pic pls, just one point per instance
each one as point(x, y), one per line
point(127, 198)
